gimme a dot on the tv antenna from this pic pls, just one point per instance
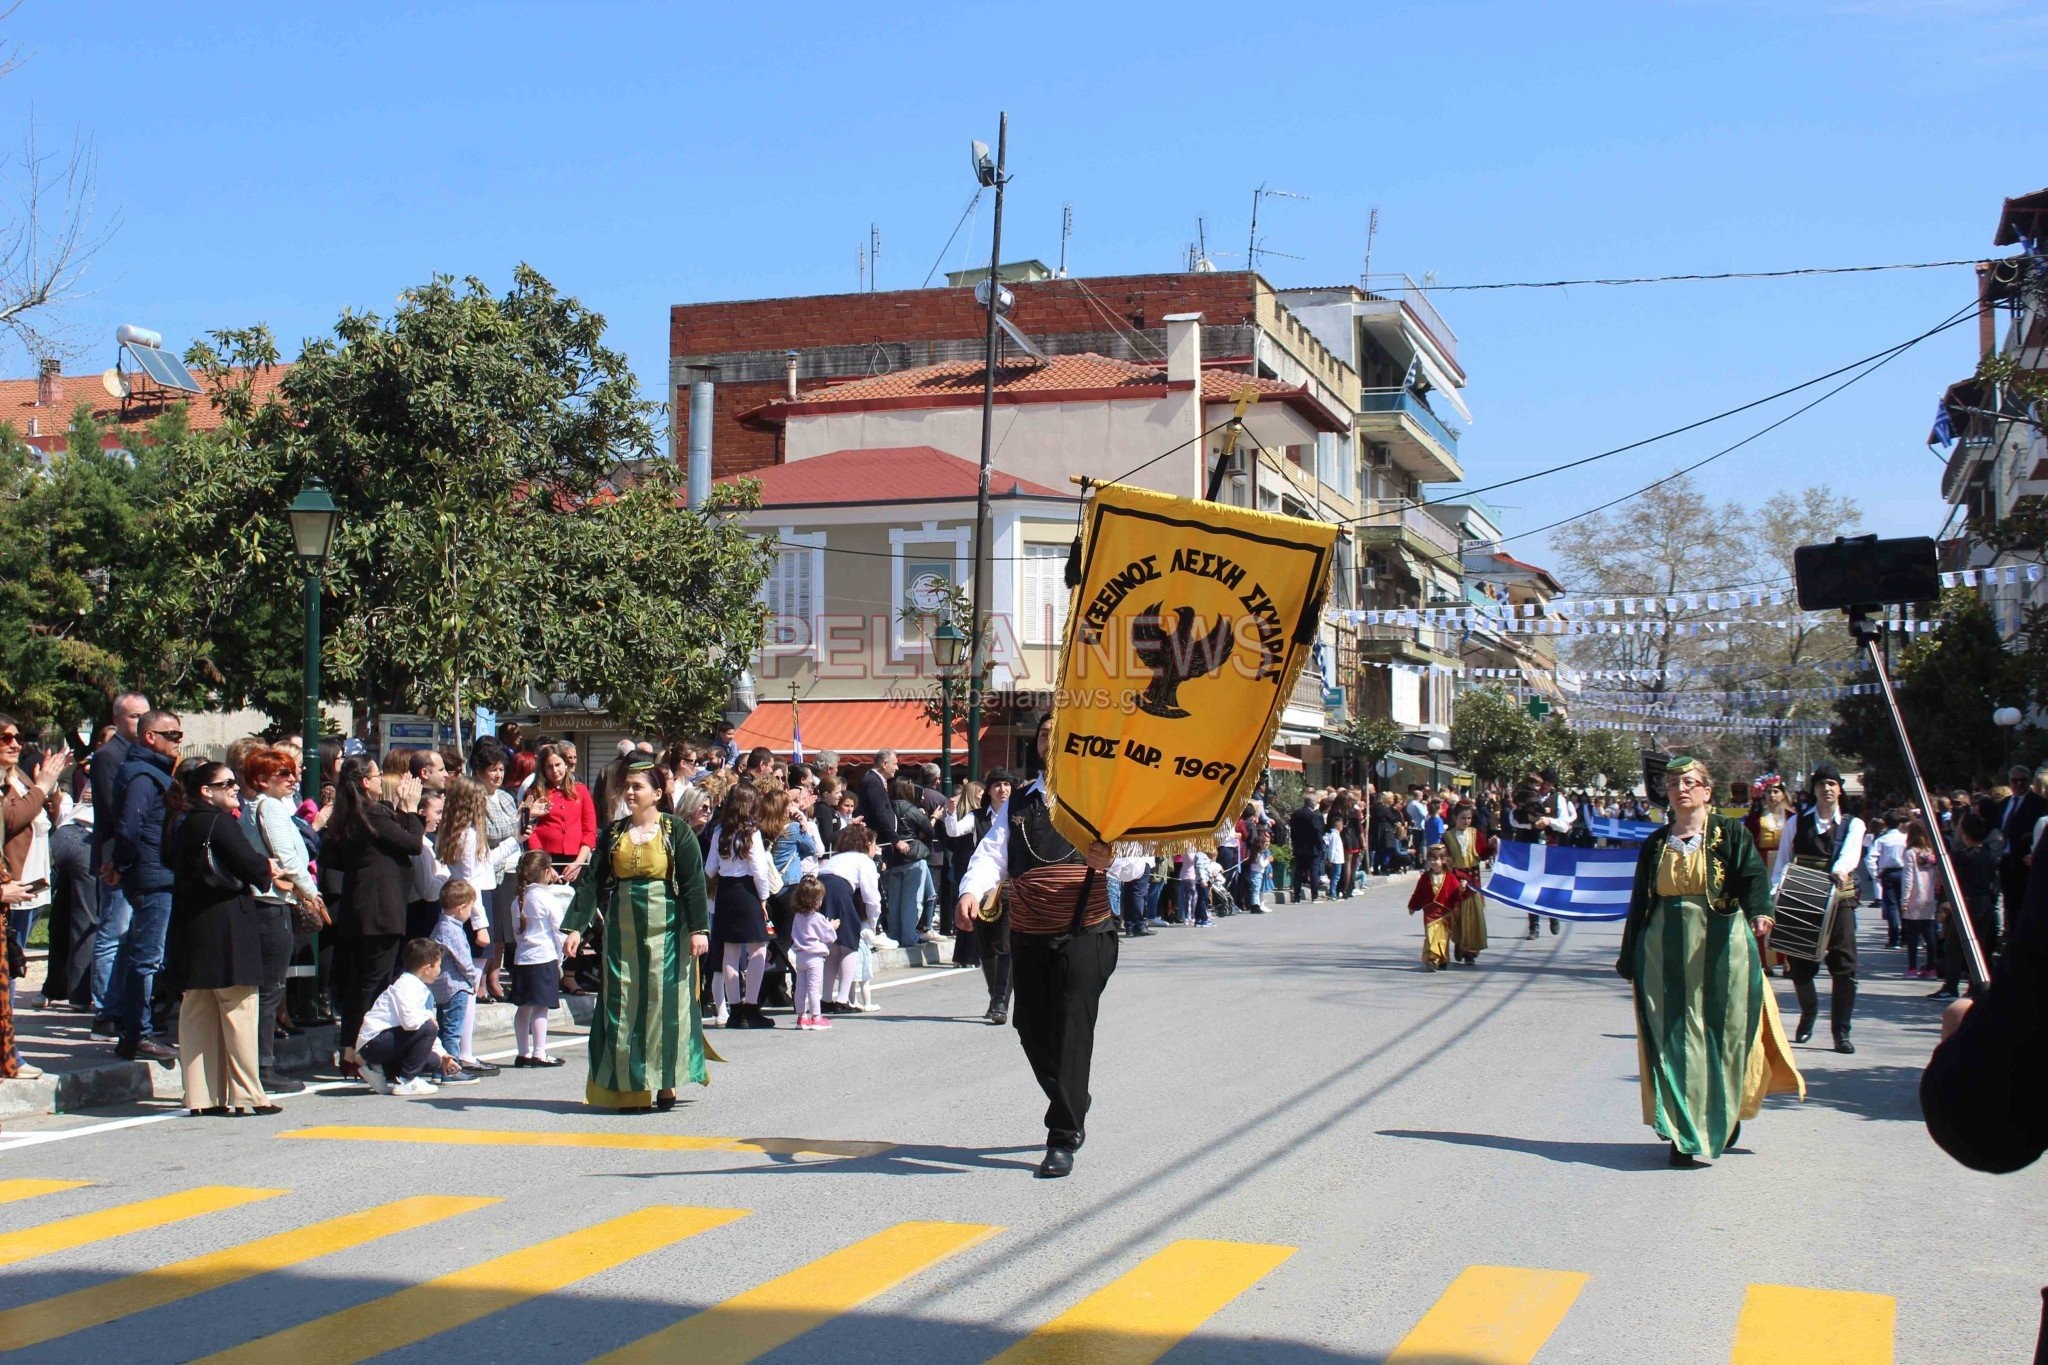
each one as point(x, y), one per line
point(1252, 250)
point(1066, 231)
point(1372, 230)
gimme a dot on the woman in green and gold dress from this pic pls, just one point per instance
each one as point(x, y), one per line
point(1708, 1035)
point(648, 876)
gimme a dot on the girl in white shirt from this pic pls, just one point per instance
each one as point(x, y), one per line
point(466, 849)
point(537, 960)
point(739, 920)
point(853, 866)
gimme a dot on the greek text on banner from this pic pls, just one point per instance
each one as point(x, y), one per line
point(1191, 622)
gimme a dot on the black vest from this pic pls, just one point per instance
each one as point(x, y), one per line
point(1806, 840)
point(1034, 843)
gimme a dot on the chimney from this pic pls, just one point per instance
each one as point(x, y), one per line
point(1183, 348)
point(700, 441)
point(50, 383)
point(790, 359)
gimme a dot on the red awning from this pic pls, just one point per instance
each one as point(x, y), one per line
point(848, 728)
point(1286, 763)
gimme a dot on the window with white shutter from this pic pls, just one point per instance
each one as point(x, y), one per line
point(790, 592)
point(1045, 594)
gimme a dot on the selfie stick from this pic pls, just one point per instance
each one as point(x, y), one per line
point(1870, 633)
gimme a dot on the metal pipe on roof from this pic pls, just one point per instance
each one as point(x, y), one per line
point(700, 442)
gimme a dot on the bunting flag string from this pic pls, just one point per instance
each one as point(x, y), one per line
point(1451, 618)
point(1992, 575)
point(1748, 697)
point(1758, 726)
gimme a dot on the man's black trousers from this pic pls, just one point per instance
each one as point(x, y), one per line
point(1058, 982)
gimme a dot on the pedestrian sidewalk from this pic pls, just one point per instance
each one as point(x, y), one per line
point(81, 1072)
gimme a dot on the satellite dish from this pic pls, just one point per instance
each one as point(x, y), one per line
point(984, 165)
point(115, 383)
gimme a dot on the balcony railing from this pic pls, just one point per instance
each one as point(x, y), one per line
point(1427, 637)
point(1401, 400)
point(1411, 296)
point(1389, 513)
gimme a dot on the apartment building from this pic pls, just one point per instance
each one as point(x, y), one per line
point(1998, 461)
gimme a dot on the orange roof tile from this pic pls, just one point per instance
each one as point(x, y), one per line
point(1059, 378)
point(884, 474)
point(18, 406)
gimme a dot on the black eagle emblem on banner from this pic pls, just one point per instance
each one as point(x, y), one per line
point(1175, 657)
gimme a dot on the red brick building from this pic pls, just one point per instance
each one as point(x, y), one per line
point(744, 346)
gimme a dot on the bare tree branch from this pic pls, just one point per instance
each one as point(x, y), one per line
point(49, 241)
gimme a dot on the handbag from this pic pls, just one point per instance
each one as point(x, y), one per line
point(305, 922)
point(211, 875)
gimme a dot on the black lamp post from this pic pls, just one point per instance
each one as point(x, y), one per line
point(314, 518)
point(948, 644)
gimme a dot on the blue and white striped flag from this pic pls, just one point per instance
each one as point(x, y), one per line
point(1561, 882)
point(1621, 831)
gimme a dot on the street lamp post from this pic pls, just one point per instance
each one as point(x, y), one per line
point(314, 517)
point(947, 645)
point(1437, 745)
point(2008, 718)
point(992, 175)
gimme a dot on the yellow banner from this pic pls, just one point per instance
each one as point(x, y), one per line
point(1184, 639)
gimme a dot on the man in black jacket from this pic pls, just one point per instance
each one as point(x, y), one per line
point(872, 802)
point(114, 910)
point(1984, 1094)
point(1305, 832)
point(2017, 818)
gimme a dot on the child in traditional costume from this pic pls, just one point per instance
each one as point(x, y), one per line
point(1468, 848)
point(1438, 893)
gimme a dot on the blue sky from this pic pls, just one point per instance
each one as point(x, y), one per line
point(280, 163)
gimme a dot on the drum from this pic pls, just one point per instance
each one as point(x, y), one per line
point(1804, 913)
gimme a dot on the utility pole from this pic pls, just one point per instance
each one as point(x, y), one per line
point(990, 177)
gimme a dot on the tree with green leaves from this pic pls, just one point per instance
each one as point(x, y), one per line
point(1372, 738)
point(1949, 682)
point(1493, 735)
point(507, 524)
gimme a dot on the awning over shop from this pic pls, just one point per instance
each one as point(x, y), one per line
point(1414, 768)
point(1284, 763)
point(848, 728)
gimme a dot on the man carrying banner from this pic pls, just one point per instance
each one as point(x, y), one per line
point(1063, 947)
point(1827, 839)
point(1708, 1037)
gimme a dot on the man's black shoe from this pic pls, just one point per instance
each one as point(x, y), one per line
point(1553, 926)
point(1943, 994)
point(147, 1050)
point(1842, 1043)
point(1805, 1033)
point(1059, 1161)
point(274, 1084)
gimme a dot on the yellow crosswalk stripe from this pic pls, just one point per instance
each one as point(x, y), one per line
point(1493, 1315)
point(631, 1142)
point(756, 1322)
point(1140, 1317)
point(1781, 1324)
point(463, 1296)
point(86, 1228)
point(11, 1190)
point(101, 1303)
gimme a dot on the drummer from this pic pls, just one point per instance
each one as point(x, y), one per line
point(1827, 840)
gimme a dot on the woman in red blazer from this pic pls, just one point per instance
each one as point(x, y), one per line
point(561, 818)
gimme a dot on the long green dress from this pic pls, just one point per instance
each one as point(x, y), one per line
point(1708, 1036)
point(648, 1030)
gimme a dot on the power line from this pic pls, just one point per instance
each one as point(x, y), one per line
point(1894, 354)
point(1885, 354)
point(1718, 275)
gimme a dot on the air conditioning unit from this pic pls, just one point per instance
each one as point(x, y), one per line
point(1378, 456)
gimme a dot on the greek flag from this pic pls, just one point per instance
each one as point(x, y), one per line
point(1617, 830)
point(1561, 882)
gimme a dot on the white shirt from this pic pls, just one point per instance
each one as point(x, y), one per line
point(1887, 851)
point(858, 871)
point(540, 924)
point(1567, 814)
point(990, 864)
point(757, 865)
point(36, 866)
point(406, 1003)
point(1845, 861)
point(481, 870)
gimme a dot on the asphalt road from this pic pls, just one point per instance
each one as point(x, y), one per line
point(1303, 1149)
